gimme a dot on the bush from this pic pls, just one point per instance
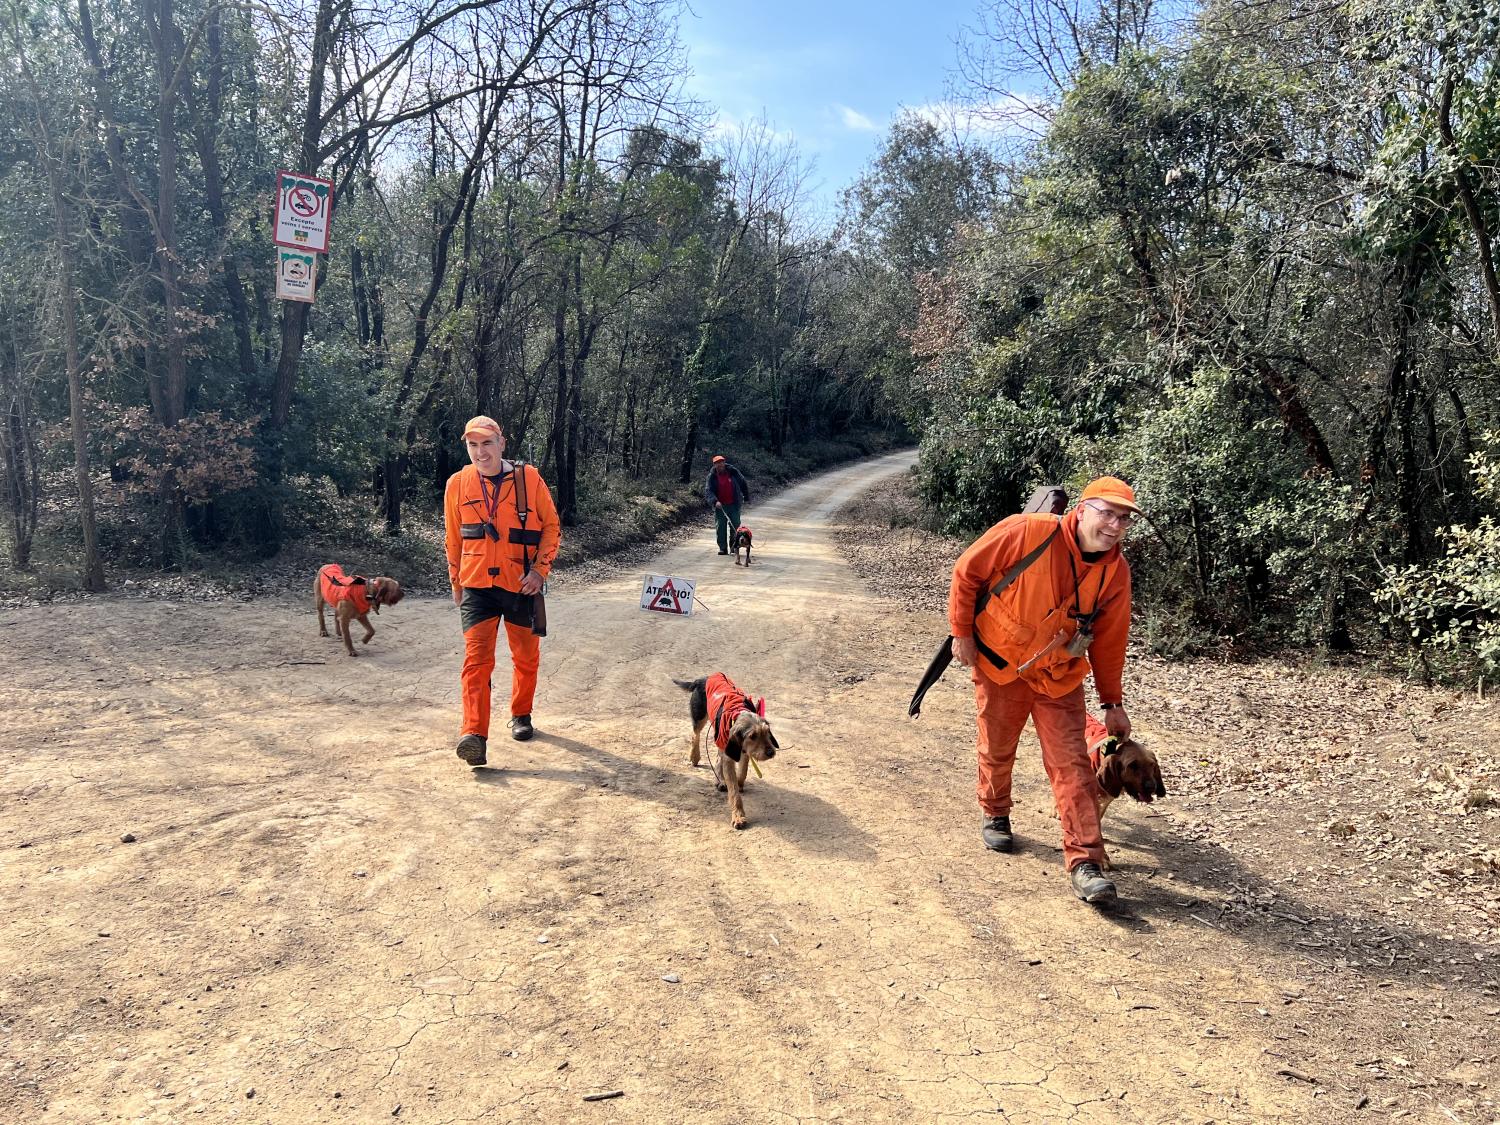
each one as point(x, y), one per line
point(1451, 607)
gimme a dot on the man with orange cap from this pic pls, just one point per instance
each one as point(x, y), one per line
point(726, 492)
point(502, 534)
point(1061, 607)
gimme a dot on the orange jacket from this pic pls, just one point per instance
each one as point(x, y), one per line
point(338, 587)
point(1039, 605)
point(477, 558)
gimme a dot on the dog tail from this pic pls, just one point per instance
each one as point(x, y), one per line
point(688, 685)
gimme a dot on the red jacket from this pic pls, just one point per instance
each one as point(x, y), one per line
point(1039, 605)
point(725, 704)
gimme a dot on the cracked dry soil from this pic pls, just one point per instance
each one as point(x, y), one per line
point(325, 916)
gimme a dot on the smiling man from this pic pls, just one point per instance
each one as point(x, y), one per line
point(502, 533)
point(1064, 608)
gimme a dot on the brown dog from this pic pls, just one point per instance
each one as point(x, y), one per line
point(740, 732)
point(1122, 766)
point(742, 538)
point(1125, 766)
point(352, 597)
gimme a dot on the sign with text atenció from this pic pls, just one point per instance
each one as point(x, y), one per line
point(666, 593)
point(304, 208)
point(296, 274)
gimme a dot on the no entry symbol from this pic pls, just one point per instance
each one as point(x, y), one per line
point(304, 201)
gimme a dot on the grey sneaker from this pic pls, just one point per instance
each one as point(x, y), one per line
point(471, 749)
point(1090, 884)
point(520, 727)
point(995, 832)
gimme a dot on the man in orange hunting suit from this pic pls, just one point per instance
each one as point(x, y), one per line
point(1066, 610)
point(502, 535)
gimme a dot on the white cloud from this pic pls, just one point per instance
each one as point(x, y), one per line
point(1011, 115)
point(853, 119)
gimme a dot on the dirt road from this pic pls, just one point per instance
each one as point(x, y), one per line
point(325, 916)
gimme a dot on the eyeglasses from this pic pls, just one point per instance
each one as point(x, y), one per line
point(1109, 515)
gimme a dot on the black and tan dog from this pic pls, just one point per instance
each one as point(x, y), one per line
point(739, 730)
point(742, 537)
point(352, 597)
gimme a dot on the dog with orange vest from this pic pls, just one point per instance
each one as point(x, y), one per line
point(740, 731)
point(352, 597)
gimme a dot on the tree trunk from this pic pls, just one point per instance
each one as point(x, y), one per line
point(93, 567)
point(294, 313)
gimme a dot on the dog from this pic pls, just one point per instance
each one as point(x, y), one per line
point(742, 537)
point(352, 597)
point(739, 731)
point(1121, 766)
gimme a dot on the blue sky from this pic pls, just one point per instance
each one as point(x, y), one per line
point(831, 73)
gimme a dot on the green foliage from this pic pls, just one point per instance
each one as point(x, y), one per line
point(1450, 607)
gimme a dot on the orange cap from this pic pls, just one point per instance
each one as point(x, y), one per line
point(1111, 490)
point(717, 460)
point(481, 425)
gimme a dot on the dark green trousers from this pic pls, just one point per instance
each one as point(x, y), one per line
point(726, 519)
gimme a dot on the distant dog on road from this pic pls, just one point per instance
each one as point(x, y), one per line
point(740, 732)
point(742, 537)
point(352, 597)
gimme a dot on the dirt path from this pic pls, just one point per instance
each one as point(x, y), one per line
point(322, 905)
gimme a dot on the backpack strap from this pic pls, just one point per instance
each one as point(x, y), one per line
point(522, 511)
point(1015, 572)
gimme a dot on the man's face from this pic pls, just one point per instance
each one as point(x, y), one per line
point(1101, 524)
point(486, 450)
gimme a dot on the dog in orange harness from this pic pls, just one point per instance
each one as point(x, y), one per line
point(740, 734)
point(742, 537)
point(1121, 765)
point(352, 597)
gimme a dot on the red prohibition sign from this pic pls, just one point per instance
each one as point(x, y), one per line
point(303, 201)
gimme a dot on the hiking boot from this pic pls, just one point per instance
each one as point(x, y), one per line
point(1090, 884)
point(723, 552)
point(520, 727)
point(995, 832)
point(471, 749)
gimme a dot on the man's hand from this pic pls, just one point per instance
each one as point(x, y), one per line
point(1117, 722)
point(964, 651)
point(532, 583)
point(458, 595)
point(717, 505)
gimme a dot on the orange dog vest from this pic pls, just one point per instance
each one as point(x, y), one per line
point(726, 703)
point(337, 586)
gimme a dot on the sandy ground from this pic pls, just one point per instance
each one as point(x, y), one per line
point(323, 915)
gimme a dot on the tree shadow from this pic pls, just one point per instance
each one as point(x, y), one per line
point(808, 822)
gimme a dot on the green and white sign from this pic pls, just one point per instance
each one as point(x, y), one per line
point(296, 274)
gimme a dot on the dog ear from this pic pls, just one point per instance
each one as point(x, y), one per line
point(1109, 776)
point(732, 748)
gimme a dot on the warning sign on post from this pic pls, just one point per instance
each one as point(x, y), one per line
point(296, 274)
point(666, 593)
point(304, 205)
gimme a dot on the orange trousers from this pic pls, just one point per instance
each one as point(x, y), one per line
point(1003, 711)
point(479, 665)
